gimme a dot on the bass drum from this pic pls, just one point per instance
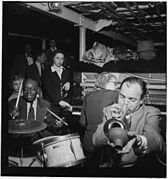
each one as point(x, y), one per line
point(61, 151)
point(24, 162)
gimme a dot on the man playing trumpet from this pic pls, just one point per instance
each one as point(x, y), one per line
point(143, 132)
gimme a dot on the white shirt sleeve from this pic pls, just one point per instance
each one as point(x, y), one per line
point(144, 141)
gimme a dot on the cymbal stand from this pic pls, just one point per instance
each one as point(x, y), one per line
point(21, 151)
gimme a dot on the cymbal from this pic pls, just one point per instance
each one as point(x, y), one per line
point(25, 126)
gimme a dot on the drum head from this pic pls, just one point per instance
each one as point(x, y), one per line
point(51, 139)
point(44, 139)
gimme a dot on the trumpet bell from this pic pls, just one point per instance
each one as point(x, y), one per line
point(116, 133)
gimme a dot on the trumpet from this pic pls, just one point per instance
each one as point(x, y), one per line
point(116, 133)
point(116, 127)
point(116, 111)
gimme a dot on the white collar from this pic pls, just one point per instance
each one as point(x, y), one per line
point(28, 55)
point(54, 68)
point(38, 64)
point(34, 103)
point(53, 49)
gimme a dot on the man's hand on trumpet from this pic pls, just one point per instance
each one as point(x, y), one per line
point(114, 111)
point(135, 143)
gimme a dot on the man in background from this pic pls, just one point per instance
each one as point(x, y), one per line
point(92, 111)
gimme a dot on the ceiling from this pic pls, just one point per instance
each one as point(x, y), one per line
point(23, 20)
point(133, 20)
point(136, 20)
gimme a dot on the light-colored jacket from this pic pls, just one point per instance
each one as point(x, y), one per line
point(145, 121)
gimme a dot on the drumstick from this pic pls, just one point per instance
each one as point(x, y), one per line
point(18, 97)
point(57, 117)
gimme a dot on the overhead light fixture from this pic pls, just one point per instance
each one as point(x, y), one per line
point(56, 7)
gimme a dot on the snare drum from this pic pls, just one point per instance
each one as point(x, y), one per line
point(62, 151)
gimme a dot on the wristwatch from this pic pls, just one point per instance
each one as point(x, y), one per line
point(138, 142)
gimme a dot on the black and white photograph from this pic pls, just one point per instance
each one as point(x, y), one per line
point(84, 89)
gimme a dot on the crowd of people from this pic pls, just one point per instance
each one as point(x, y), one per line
point(45, 67)
point(46, 86)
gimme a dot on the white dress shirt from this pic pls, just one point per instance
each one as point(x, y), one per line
point(29, 60)
point(53, 49)
point(39, 67)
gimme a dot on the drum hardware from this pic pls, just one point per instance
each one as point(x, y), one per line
point(21, 126)
point(61, 151)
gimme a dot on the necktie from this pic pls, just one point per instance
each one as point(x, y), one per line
point(42, 69)
point(31, 115)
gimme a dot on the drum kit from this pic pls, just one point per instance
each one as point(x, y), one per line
point(53, 151)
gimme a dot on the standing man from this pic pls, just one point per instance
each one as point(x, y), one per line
point(50, 52)
point(22, 61)
point(92, 110)
point(144, 133)
point(36, 70)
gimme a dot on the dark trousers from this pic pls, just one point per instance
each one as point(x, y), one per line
point(92, 159)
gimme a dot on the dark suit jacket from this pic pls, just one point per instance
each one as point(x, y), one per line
point(41, 112)
point(145, 121)
point(52, 84)
point(42, 106)
point(49, 55)
point(20, 65)
point(33, 73)
point(92, 112)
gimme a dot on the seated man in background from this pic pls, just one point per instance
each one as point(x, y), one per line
point(144, 132)
point(92, 110)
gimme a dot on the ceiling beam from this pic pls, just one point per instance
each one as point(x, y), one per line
point(119, 37)
point(66, 14)
point(78, 20)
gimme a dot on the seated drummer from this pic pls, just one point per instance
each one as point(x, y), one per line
point(40, 113)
